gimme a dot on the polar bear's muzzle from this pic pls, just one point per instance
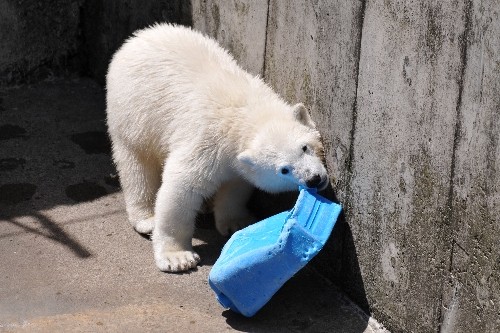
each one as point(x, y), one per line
point(318, 182)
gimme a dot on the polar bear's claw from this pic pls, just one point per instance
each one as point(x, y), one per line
point(177, 261)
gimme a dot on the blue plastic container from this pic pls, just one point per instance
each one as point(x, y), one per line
point(258, 260)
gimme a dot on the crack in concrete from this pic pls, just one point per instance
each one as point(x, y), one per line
point(350, 157)
point(265, 41)
point(444, 321)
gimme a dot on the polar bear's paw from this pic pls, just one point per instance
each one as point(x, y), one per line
point(177, 261)
point(146, 226)
point(229, 225)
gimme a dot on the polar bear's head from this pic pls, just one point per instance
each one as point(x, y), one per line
point(284, 154)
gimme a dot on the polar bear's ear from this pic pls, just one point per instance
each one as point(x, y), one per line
point(246, 157)
point(302, 115)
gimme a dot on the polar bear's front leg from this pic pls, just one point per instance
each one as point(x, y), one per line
point(175, 212)
point(230, 210)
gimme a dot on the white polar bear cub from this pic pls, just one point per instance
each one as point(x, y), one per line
point(187, 123)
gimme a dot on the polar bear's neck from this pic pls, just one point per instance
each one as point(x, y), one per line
point(239, 103)
point(243, 117)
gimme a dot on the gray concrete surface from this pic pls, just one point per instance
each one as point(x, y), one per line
point(70, 261)
point(404, 95)
point(403, 151)
point(239, 26)
point(472, 289)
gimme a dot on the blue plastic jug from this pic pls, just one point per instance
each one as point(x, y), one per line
point(258, 260)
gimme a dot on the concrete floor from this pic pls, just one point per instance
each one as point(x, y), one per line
point(71, 263)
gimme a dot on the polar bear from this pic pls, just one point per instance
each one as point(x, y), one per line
point(187, 123)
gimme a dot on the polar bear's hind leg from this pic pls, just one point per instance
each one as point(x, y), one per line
point(140, 180)
point(230, 210)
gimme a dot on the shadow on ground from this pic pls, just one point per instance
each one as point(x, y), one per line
point(54, 151)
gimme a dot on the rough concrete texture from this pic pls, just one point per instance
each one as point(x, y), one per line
point(71, 262)
point(36, 39)
point(239, 25)
point(404, 95)
point(473, 284)
point(406, 113)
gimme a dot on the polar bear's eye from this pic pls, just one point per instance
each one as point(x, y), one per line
point(304, 148)
point(284, 171)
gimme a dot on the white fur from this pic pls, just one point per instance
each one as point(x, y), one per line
point(185, 121)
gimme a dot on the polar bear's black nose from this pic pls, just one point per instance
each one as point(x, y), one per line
point(314, 181)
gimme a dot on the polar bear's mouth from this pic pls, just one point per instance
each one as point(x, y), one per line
point(317, 182)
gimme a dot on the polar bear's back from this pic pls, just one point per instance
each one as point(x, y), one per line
point(164, 74)
point(178, 47)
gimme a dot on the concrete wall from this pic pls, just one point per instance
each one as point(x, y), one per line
point(471, 299)
point(39, 39)
point(239, 25)
point(406, 97)
point(408, 88)
point(106, 24)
